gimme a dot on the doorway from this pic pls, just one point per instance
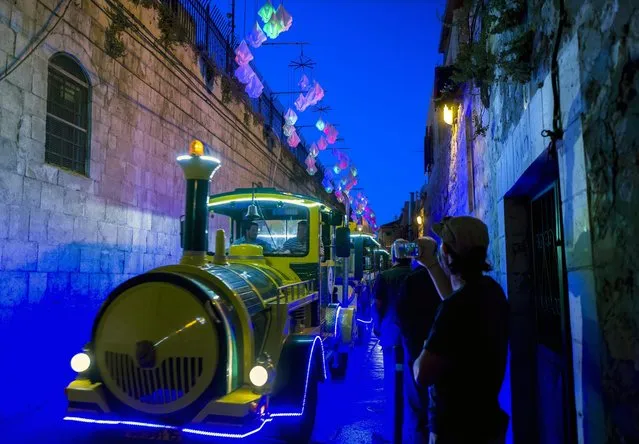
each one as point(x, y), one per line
point(541, 370)
point(555, 389)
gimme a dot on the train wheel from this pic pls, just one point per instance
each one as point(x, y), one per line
point(299, 429)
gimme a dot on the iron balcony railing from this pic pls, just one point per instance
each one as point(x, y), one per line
point(208, 30)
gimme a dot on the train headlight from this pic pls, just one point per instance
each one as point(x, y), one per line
point(259, 376)
point(80, 362)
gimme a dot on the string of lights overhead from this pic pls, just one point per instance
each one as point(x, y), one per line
point(343, 176)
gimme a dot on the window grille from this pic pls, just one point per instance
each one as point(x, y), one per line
point(67, 130)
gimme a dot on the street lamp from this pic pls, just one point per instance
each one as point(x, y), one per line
point(448, 115)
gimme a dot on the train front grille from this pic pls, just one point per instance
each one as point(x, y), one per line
point(167, 382)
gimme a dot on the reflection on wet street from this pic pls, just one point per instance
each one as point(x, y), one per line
point(351, 411)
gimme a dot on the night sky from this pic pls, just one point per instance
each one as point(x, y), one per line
point(375, 59)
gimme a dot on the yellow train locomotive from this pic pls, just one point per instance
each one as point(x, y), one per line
point(223, 343)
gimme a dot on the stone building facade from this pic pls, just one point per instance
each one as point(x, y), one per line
point(68, 237)
point(562, 218)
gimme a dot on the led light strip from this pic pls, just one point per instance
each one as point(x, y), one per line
point(166, 427)
point(365, 322)
point(308, 372)
point(216, 434)
point(337, 319)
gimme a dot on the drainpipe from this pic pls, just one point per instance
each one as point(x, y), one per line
point(198, 171)
point(410, 216)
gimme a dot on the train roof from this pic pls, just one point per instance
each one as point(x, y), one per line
point(274, 193)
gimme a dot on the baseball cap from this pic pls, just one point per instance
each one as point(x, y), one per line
point(462, 233)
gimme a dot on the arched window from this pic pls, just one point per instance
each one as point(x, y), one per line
point(68, 115)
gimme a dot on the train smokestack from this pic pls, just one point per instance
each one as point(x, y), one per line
point(198, 170)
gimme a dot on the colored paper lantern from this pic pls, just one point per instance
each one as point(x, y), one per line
point(256, 37)
point(273, 28)
point(331, 133)
point(300, 103)
point(314, 95)
point(243, 53)
point(244, 73)
point(304, 83)
point(290, 117)
point(322, 143)
point(320, 124)
point(293, 140)
point(288, 130)
point(284, 18)
point(336, 169)
point(314, 150)
point(266, 11)
point(328, 186)
point(254, 88)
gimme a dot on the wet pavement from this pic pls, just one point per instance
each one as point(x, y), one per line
point(349, 411)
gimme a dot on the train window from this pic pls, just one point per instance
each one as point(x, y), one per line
point(280, 227)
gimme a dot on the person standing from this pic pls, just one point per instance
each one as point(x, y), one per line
point(386, 293)
point(417, 307)
point(463, 361)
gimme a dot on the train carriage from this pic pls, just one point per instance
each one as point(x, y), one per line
point(225, 342)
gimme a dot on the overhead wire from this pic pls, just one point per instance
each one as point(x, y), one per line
point(189, 87)
point(20, 59)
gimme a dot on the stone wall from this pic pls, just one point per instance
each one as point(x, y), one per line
point(67, 239)
point(598, 178)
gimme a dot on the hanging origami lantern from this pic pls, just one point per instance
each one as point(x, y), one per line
point(312, 170)
point(331, 133)
point(314, 150)
point(266, 11)
point(300, 103)
point(290, 117)
point(328, 186)
point(343, 180)
point(320, 124)
point(243, 53)
point(339, 196)
point(336, 169)
point(254, 88)
point(256, 37)
point(244, 73)
point(273, 28)
point(288, 130)
point(322, 143)
point(304, 83)
point(353, 171)
point(293, 140)
point(314, 95)
point(284, 18)
point(342, 160)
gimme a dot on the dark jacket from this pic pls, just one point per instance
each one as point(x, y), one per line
point(416, 310)
point(386, 290)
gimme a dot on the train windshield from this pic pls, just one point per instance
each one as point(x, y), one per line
point(281, 228)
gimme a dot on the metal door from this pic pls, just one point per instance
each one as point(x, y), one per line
point(555, 394)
